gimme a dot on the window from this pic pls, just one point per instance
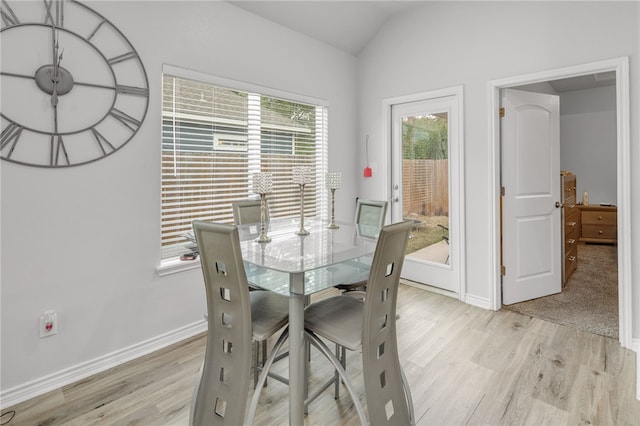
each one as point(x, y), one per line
point(216, 133)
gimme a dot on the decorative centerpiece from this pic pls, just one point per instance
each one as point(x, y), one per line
point(301, 177)
point(262, 185)
point(333, 183)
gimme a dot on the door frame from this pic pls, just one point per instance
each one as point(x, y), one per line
point(458, 93)
point(621, 68)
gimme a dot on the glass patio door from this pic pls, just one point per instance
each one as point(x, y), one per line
point(425, 188)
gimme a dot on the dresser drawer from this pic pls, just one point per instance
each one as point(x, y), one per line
point(569, 185)
point(570, 240)
point(569, 205)
point(570, 223)
point(599, 218)
point(599, 231)
point(570, 263)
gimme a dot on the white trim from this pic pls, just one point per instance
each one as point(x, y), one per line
point(636, 347)
point(241, 85)
point(458, 93)
point(621, 68)
point(480, 302)
point(175, 265)
point(81, 371)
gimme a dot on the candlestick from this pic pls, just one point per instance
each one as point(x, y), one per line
point(263, 184)
point(333, 183)
point(302, 176)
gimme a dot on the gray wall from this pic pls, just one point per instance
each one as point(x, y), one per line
point(588, 141)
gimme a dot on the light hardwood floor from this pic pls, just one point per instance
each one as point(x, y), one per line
point(465, 365)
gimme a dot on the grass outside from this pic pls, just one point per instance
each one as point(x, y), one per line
point(426, 231)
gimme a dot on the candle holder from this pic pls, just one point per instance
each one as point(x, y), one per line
point(333, 183)
point(301, 177)
point(263, 184)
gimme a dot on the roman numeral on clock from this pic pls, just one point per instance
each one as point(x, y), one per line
point(102, 141)
point(132, 90)
point(56, 147)
point(54, 17)
point(11, 134)
point(126, 120)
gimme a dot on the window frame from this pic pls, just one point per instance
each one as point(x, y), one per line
point(173, 264)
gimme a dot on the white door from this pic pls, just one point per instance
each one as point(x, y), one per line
point(425, 188)
point(531, 240)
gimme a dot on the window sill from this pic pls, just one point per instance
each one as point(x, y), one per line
point(175, 265)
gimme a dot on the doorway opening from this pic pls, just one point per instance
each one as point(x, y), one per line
point(585, 295)
point(619, 68)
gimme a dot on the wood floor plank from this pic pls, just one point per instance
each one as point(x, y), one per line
point(560, 363)
point(465, 366)
point(512, 387)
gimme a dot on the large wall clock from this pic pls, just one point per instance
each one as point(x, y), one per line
point(74, 90)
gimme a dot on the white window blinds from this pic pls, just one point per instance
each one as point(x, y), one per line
point(214, 137)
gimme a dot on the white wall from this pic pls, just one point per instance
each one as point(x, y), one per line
point(85, 241)
point(588, 141)
point(444, 44)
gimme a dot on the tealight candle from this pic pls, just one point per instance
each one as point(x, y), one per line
point(334, 180)
point(301, 175)
point(262, 183)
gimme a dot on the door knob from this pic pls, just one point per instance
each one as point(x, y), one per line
point(395, 199)
point(558, 204)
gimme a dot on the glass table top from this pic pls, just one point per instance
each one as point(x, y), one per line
point(326, 257)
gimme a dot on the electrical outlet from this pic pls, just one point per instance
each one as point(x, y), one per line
point(48, 324)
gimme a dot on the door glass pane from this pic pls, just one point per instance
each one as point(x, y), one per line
point(425, 185)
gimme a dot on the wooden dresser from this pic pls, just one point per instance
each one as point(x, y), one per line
point(599, 224)
point(570, 227)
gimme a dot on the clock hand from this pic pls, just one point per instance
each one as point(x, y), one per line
point(56, 77)
point(56, 65)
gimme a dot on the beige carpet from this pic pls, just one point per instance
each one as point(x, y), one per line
point(589, 301)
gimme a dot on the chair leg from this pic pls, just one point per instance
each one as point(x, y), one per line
point(341, 354)
point(407, 394)
point(195, 393)
point(320, 345)
point(336, 376)
point(264, 357)
point(258, 360)
point(263, 376)
point(256, 353)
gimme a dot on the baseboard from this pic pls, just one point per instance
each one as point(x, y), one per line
point(479, 302)
point(428, 288)
point(70, 375)
point(470, 299)
point(635, 345)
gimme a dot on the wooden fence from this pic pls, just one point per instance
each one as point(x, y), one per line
point(425, 186)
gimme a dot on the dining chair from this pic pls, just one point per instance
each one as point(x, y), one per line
point(248, 211)
point(369, 219)
point(235, 317)
point(245, 212)
point(369, 325)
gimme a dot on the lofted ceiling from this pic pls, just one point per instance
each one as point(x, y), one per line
point(346, 25)
point(584, 82)
point(350, 25)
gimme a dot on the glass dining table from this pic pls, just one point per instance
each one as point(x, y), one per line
point(299, 265)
